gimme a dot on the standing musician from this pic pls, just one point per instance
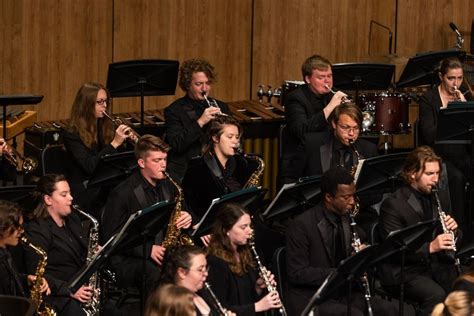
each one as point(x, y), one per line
point(316, 242)
point(146, 186)
point(186, 266)
point(219, 170)
point(11, 228)
point(428, 272)
point(7, 170)
point(307, 109)
point(232, 270)
point(89, 137)
point(58, 231)
point(456, 157)
point(186, 117)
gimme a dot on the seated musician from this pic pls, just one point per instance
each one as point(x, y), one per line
point(456, 157)
point(7, 169)
point(429, 272)
point(220, 170)
point(11, 228)
point(307, 109)
point(170, 300)
point(89, 137)
point(316, 241)
point(233, 272)
point(58, 231)
point(186, 117)
point(146, 186)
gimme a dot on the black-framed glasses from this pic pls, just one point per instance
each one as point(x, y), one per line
point(102, 101)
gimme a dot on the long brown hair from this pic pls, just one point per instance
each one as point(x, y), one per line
point(170, 300)
point(220, 245)
point(46, 186)
point(83, 120)
point(215, 128)
point(415, 162)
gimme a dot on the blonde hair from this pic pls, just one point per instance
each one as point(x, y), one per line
point(457, 303)
point(170, 300)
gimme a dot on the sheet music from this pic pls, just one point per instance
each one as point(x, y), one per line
point(196, 227)
point(283, 189)
point(359, 168)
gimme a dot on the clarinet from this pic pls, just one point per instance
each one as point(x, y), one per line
point(356, 244)
point(222, 310)
point(263, 274)
point(446, 230)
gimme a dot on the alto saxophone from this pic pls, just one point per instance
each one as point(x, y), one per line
point(92, 306)
point(264, 273)
point(173, 235)
point(254, 179)
point(357, 245)
point(358, 156)
point(222, 310)
point(42, 309)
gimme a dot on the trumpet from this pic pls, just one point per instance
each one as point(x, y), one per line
point(459, 95)
point(131, 132)
point(25, 164)
point(344, 98)
point(212, 103)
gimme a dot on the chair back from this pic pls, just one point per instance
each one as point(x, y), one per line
point(15, 306)
point(279, 270)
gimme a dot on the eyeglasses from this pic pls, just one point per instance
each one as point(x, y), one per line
point(201, 270)
point(102, 101)
point(348, 129)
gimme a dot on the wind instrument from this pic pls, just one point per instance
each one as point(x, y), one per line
point(212, 103)
point(92, 306)
point(264, 273)
point(221, 309)
point(131, 132)
point(25, 164)
point(42, 309)
point(254, 179)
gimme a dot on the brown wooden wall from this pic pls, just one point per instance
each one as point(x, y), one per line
point(51, 47)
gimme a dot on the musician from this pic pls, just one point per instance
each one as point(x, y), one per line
point(232, 270)
point(170, 300)
point(428, 272)
point(220, 170)
point(456, 157)
point(186, 266)
point(316, 241)
point(89, 137)
point(58, 231)
point(11, 228)
point(146, 186)
point(7, 170)
point(457, 303)
point(186, 117)
point(307, 109)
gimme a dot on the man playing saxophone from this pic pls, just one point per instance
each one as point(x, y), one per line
point(429, 273)
point(146, 186)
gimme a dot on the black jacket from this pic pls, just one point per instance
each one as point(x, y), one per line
point(11, 282)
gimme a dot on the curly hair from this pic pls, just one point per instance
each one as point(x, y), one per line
point(191, 66)
point(220, 245)
point(215, 129)
point(83, 120)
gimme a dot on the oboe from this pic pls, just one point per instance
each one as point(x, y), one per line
point(446, 230)
point(356, 244)
point(264, 274)
point(222, 310)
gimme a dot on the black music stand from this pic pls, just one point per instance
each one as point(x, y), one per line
point(362, 76)
point(147, 77)
point(294, 196)
point(378, 172)
point(244, 197)
point(347, 271)
point(16, 306)
point(20, 99)
point(423, 68)
point(140, 228)
point(114, 167)
point(412, 237)
point(21, 194)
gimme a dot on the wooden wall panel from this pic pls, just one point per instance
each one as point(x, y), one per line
point(52, 47)
point(219, 31)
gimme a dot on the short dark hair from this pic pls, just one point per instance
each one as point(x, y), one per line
point(10, 215)
point(334, 177)
point(415, 162)
point(314, 62)
point(149, 143)
point(191, 66)
point(178, 257)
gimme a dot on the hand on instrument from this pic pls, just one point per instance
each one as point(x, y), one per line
point(337, 99)
point(83, 294)
point(208, 114)
point(157, 254)
point(441, 242)
point(269, 301)
point(450, 223)
point(44, 284)
point(3, 145)
point(206, 239)
point(184, 220)
point(458, 96)
point(121, 134)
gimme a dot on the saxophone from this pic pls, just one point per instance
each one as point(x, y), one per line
point(42, 309)
point(358, 156)
point(254, 179)
point(173, 235)
point(92, 307)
